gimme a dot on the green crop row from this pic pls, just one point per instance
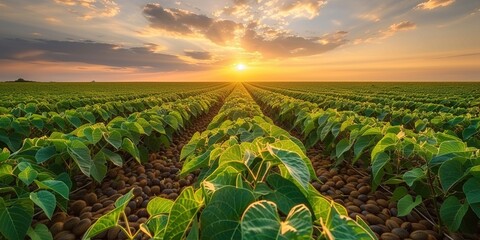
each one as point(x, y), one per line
point(438, 167)
point(253, 184)
point(14, 129)
point(63, 96)
point(36, 174)
point(412, 115)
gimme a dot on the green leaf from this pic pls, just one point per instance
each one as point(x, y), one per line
point(156, 226)
point(28, 175)
point(172, 121)
point(159, 205)
point(378, 164)
point(56, 186)
point(342, 147)
point(285, 193)
point(123, 200)
point(452, 213)
point(190, 147)
point(115, 158)
point(406, 204)
point(110, 219)
point(104, 223)
point(93, 134)
point(261, 221)
point(294, 164)
point(40, 232)
point(231, 154)
point(45, 153)
point(472, 191)
point(114, 138)
point(413, 175)
point(181, 215)
point(450, 172)
point(98, 169)
point(81, 155)
point(451, 146)
point(16, 218)
point(339, 227)
point(388, 141)
point(130, 147)
point(45, 200)
point(4, 155)
point(221, 217)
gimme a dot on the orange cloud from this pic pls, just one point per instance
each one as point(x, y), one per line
point(88, 9)
point(432, 4)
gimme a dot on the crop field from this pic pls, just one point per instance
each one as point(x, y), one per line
point(240, 161)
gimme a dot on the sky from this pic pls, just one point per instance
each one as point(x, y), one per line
point(240, 40)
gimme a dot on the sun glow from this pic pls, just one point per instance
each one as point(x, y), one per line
point(240, 67)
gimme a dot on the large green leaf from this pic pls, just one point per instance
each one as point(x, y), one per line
point(130, 147)
point(114, 137)
point(98, 169)
point(388, 141)
point(451, 146)
point(45, 153)
point(413, 175)
point(294, 164)
point(159, 205)
point(81, 155)
point(16, 218)
point(55, 185)
point(344, 228)
point(406, 204)
point(45, 200)
point(156, 226)
point(261, 221)
point(378, 164)
point(221, 217)
point(181, 215)
point(285, 194)
point(342, 147)
point(115, 158)
point(452, 212)
point(471, 188)
point(190, 147)
point(28, 175)
point(450, 172)
point(40, 232)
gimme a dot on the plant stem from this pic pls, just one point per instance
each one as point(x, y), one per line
point(127, 226)
point(434, 198)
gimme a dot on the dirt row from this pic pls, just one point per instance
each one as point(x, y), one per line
point(158, 177)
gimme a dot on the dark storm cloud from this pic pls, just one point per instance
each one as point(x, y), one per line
point(90, 52)
point(199, 55)
point(187, 23)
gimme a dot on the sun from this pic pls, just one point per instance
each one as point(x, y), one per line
point(240, 67)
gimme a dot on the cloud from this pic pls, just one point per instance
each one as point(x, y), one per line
point(432, 4)
point(184, 22)
point(405, 25)
point(284, 45)
point(199, 55)
point(273, 9)
point(88, 9)
point(91, 53)
point(386, 33)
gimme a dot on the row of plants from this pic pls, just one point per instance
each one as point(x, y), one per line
point(14, 129)
point(465, 126)
point(253, 184)
point(36, 178)
point(400, 95)
point(45, 97)
point(429, 167)
point(414, 115)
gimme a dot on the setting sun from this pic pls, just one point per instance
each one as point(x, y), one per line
point(240, 67)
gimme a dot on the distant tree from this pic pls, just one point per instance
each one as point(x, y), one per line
point(22, 80)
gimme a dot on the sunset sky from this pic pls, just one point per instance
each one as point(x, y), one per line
point(240, 40)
